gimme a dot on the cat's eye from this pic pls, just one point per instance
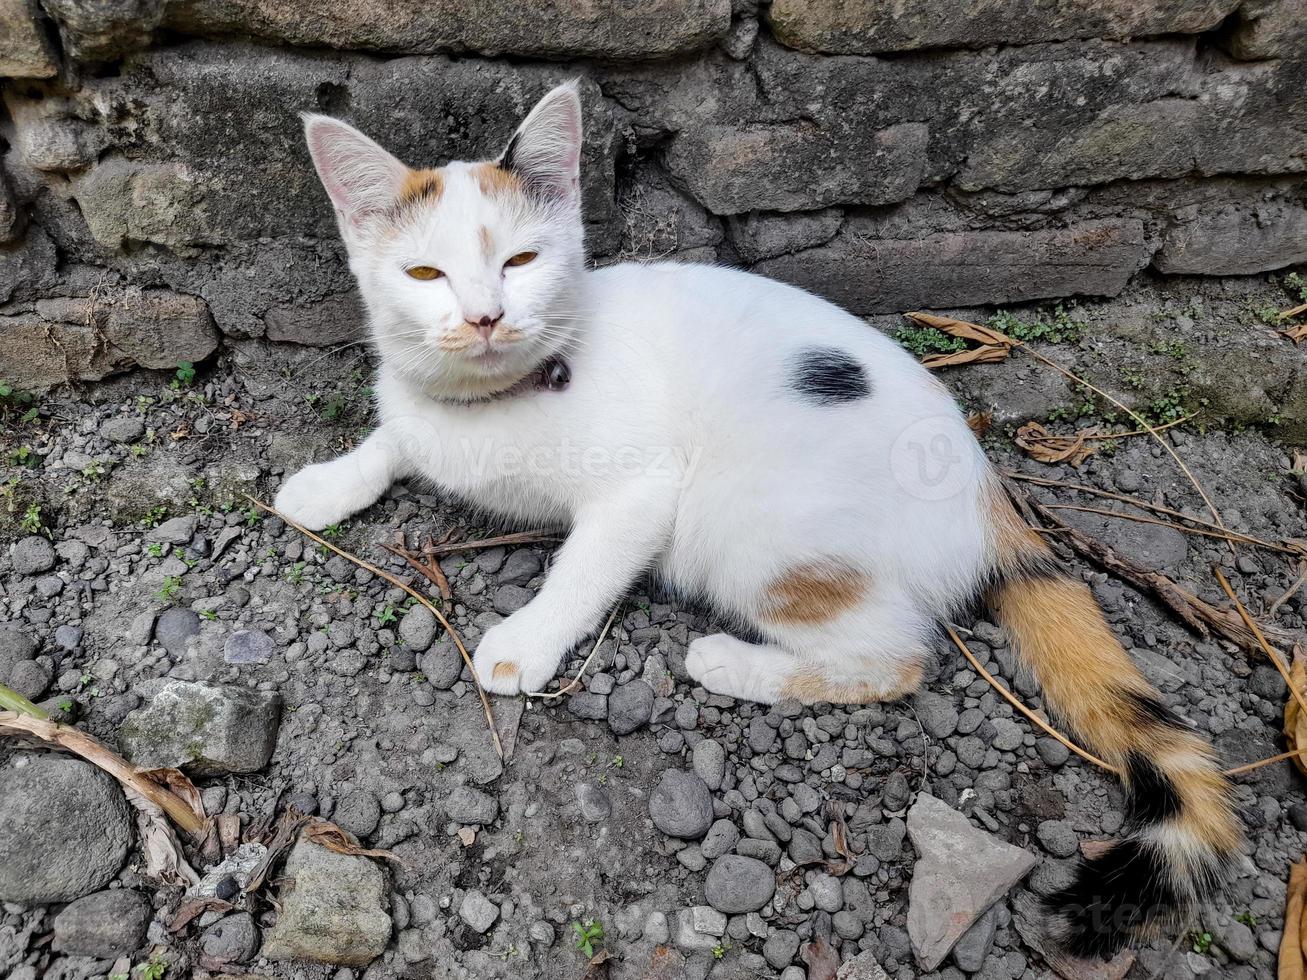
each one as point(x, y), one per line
point(424, 272)
point(521, 258)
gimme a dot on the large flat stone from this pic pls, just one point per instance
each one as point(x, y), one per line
point(64, 829)
point(205, 729)
point(955, 268)
point(732, 169)
point(959, 874)
point(1235, 240)
point(93, 337)
point(872, 27)
point(650, 29)
point(333, 908)
point(25, 50)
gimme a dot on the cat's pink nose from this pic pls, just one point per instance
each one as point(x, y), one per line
point(485, 325)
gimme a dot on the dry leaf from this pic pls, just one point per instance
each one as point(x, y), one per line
point(1299, 462)
point(326, 834)
point(1295, 725)
point(164, 859)
point(177, 782)
point(979, 422)
point(190, 909)
point(989, 354)
point(1291, 944)
point(963, 328)
point(1042, 445)
point(821, 959)
point(1297, 333)
point(288, 825)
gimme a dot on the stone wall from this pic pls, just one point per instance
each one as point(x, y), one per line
point(156, 195)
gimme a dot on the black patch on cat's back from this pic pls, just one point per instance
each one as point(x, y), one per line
point(828, 376)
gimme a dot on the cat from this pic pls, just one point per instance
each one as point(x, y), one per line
point(748, 441)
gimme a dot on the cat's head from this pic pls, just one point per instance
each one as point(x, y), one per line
point(468, 271)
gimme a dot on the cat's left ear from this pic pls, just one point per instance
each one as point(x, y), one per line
point(546, 149)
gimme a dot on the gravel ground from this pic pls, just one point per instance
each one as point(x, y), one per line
point(698, 832)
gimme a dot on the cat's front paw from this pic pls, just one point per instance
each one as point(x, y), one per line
point(321, 494)
point(511, 659)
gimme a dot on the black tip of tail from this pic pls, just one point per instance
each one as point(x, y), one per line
point(1113, 895)
point(1128, 886)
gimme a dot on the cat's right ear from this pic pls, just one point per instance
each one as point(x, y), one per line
point(361, 178)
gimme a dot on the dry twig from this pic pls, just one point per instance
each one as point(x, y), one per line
point(517, 537)
point(575, 682)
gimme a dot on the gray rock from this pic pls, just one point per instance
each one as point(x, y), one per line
point(1058, 837)
point(700, 928)
point(245, 647)
point(588, 705)
point(864, 966)
point(15, 645)
point(1008, 735)
point(64, 829)
point(804, 848)
point(594, 802)
point(122, 428)
point(722, 836)
point(938, 715)
point(203, 729)
point(32, 555)
point(332, 909)
point(826, 892)
point(650, 30)
point(739, 884)
point(709, 761)
point(780, 948)
point(478, 911)
point(174, 626)
point(1238, 940)
point(541, 933)
point(466, 805)
point(233, 938)
point(630, 706)
point(970, 952)
point(520, 568)
point(510, 598)
point(358, 812)
point(1235, 240)
point(442, 664)
point(681, 805)
point(731, 169)
point(175, 530)
point(417, 629)
point(30, 678)
point(838, 28)
point(103, 924)
point(882, 276)
point(25, 49)
point(960, 873)
point(66, 638)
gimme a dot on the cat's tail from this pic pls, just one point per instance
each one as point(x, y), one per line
point(1182, 835)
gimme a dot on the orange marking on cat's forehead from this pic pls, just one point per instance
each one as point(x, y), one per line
point(494, 180)
point(422, 185)
point(487, 242)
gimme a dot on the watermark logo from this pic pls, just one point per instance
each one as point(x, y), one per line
point(934, 458)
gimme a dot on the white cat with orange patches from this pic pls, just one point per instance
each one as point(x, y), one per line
point(751, 443)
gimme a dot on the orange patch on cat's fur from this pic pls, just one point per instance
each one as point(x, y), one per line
point(505, 668)
point(487, 242)
point(494, 180)
point(814, 592)
point(810, 688)
point(422, 185)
